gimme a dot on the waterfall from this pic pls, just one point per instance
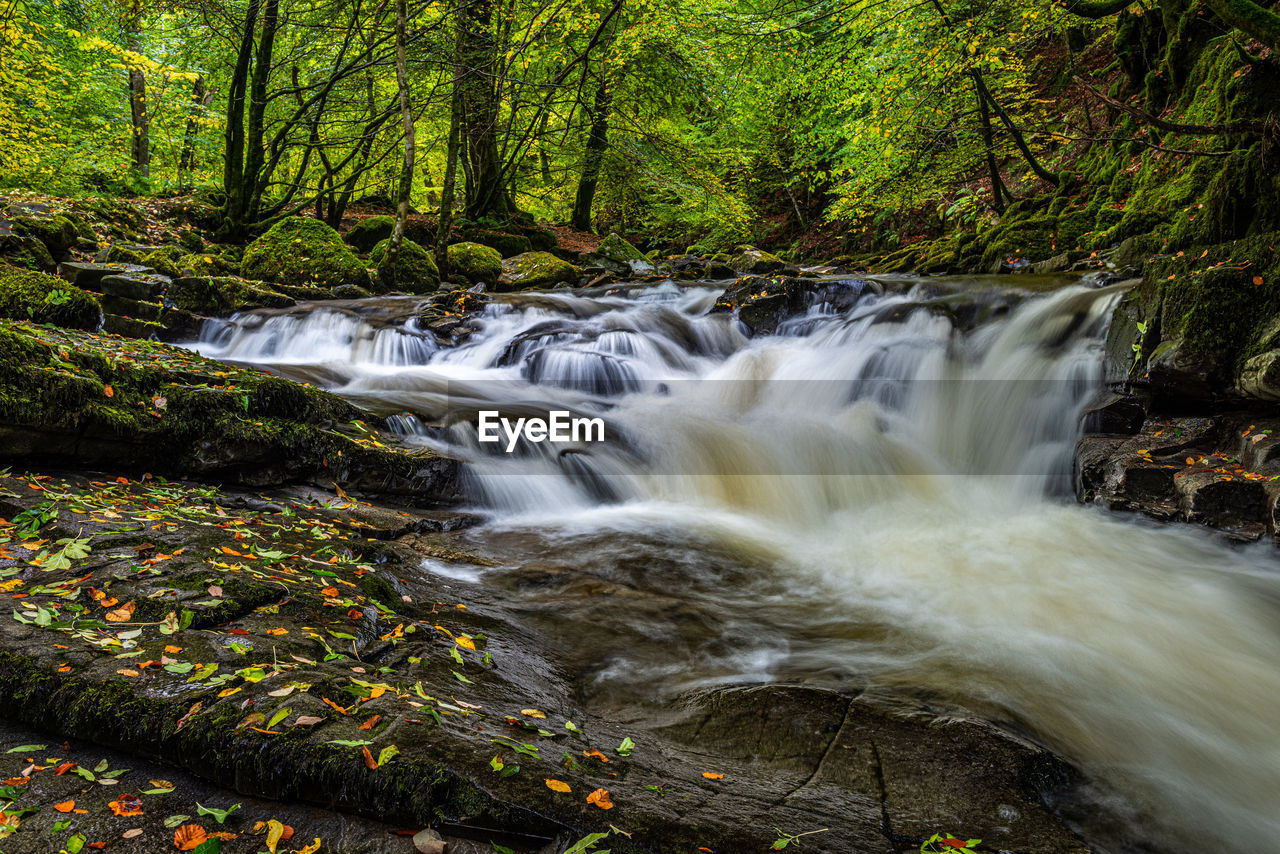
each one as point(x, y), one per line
point(897, 485)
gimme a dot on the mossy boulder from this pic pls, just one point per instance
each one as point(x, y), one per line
point(750, 260)
point(29, 295)
point(507, 243)
point(26, 252)
point(55, 231)
point(303, 251)
point(415, 270)
point(475, 263)
point(215, 296)
point(170, 411)
point(1199, 320)
point(190, 240)
point(369, 232)
point(535, 269)
point(618, 256)
point(207, 264)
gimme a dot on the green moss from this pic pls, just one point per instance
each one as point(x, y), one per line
point(618, 250)
point(55, 231)
point(205, 264)
point(415, 270)
point(167, 260)
point(220, 295)
point(303, 251)
point(28, 295)
point(26, 252)
point(506, 243)
point(475, 263)
point(534, 269)
point(122, 254)
point(369, 232)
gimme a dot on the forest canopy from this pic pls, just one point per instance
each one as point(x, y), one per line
point(832, 124)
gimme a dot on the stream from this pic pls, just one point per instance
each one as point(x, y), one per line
point(876, 497)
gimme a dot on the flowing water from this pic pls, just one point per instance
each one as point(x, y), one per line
point(876, 496)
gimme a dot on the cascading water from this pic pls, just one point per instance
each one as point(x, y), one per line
point(872, 495)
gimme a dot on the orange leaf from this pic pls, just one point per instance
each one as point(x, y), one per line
point(172, 650)
point(334, 706)
point(600, 798)
point(65, 806)
point(123, 614)
point(597, 754)
point(371, 723)
point(108, 391)
point(277, 631)
point(1257, 280)
point(189, 837)
point(331, 592)
point(369, 761)
point(126, 806)
point(712, 775)
point(558, 786)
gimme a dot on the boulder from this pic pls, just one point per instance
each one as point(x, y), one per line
point(748, 260)
point(26, 252)
point(535, 269)
point(506, 243)
point(620, 257)
point(1260, 376)
point(137, 286)
point(762, 303)
point(86, 274)
point(303, 251)
point(415, 270)
point(475, 263)
point(369, 232)
point(55, 231)
point(215, 296)
point(40, 298)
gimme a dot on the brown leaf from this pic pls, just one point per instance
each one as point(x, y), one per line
point(369, 761)
point(123, 614)
point(307, 720)
point(189, 837)
point(600, 798)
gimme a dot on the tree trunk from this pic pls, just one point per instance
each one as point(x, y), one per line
point(255, 154)
point(201, 97)
point(140, 140)
point(450, 169)
point(593, 156)
point(233, 161)
point(406, 116)
point(478, 55)
point(998, 190)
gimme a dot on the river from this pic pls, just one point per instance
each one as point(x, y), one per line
point(875, 497)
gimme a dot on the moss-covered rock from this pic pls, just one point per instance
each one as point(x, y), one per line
point(29, 295)
point(507, 243)
point(369, 232)
point(26, 252)
point(535, 269)
point(75, 398)
point(167, 260)
point(55, 231)
point(207, 264)
point(215, 296)
point(303, 251)
point(750, 260)
point(190, 240)
point(475, 263)
point(415, 270)
point(1198, 319)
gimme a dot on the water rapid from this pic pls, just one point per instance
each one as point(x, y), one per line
point(878, 495)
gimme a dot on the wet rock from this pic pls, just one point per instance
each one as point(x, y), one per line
point(139, 286)
point(1059, 263)
point(620, 257)
point(86, 274)
point(475, 263)
point(28, 295)
point(303, 251)
point(1260, 376)
point(762, 303)
point(1113, 414)
point(748, 260)
point(369, 232)
point(535, 269)
point(415, 270)
point(26, 252)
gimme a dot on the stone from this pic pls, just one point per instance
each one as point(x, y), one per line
point(1113, 414)
point(475, 263)
point(40, 298)
point(86, 274)
point(1260, 376)
point(139, 286)
point(300, 250)
point(369, 232)
point(753, 261)
point(535, 269)
point(415, 273)
point(26, 252)
point(762, 303)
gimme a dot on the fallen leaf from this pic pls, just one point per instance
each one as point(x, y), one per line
point(369, 761)
point(428, 842)
point(65, 806)
point(371, 723)
point(189, 837)
point(533, 713)
point(126, 806)
point(123, 614)
point(131, 833)
point(600, 798)
point(712, 775)
point(307, 720)
point(558, 786)
point(597, 754)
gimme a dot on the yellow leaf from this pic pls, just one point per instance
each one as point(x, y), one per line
point(558, 786)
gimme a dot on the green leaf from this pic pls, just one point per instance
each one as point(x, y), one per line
point(586, 843)
point(387, 754)
point(28, 748)
point(76, 843)
point(280, 715)
point(349, 743)
point(174, 820)
point(219, 815)
point(626, 747)
point(461, 678)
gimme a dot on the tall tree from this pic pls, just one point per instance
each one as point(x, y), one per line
point(406, 118)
